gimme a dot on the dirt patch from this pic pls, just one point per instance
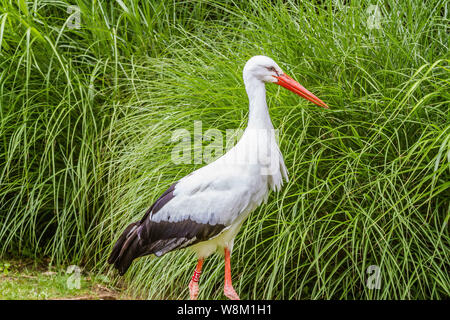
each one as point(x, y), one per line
point(99, 292)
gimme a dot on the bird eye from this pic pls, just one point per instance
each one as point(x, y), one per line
point(273, 70)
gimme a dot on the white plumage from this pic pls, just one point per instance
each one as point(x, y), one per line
point(227, 190)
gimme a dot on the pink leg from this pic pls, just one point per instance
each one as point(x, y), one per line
point(228, 289)
point(193, 285)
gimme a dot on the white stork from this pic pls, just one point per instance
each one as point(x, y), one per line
point(205, 209)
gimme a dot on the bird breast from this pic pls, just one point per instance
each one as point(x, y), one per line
point(229, 188)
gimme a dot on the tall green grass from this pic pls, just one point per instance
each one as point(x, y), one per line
point(86, 117)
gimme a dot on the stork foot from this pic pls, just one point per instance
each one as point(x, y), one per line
point(193, 285)
point(230, 293)
point(193, 290)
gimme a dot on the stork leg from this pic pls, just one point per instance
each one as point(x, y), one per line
point(228, 289)
point(193, 285)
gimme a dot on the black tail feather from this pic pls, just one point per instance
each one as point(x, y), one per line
point(126, 249)
point(149, 237)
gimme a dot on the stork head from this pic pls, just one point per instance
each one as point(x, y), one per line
point(264, 69)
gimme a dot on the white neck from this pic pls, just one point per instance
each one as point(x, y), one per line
point(258, 112)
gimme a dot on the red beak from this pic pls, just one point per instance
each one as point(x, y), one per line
point(294, 86)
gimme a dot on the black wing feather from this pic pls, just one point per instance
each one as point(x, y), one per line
point(149, 237)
